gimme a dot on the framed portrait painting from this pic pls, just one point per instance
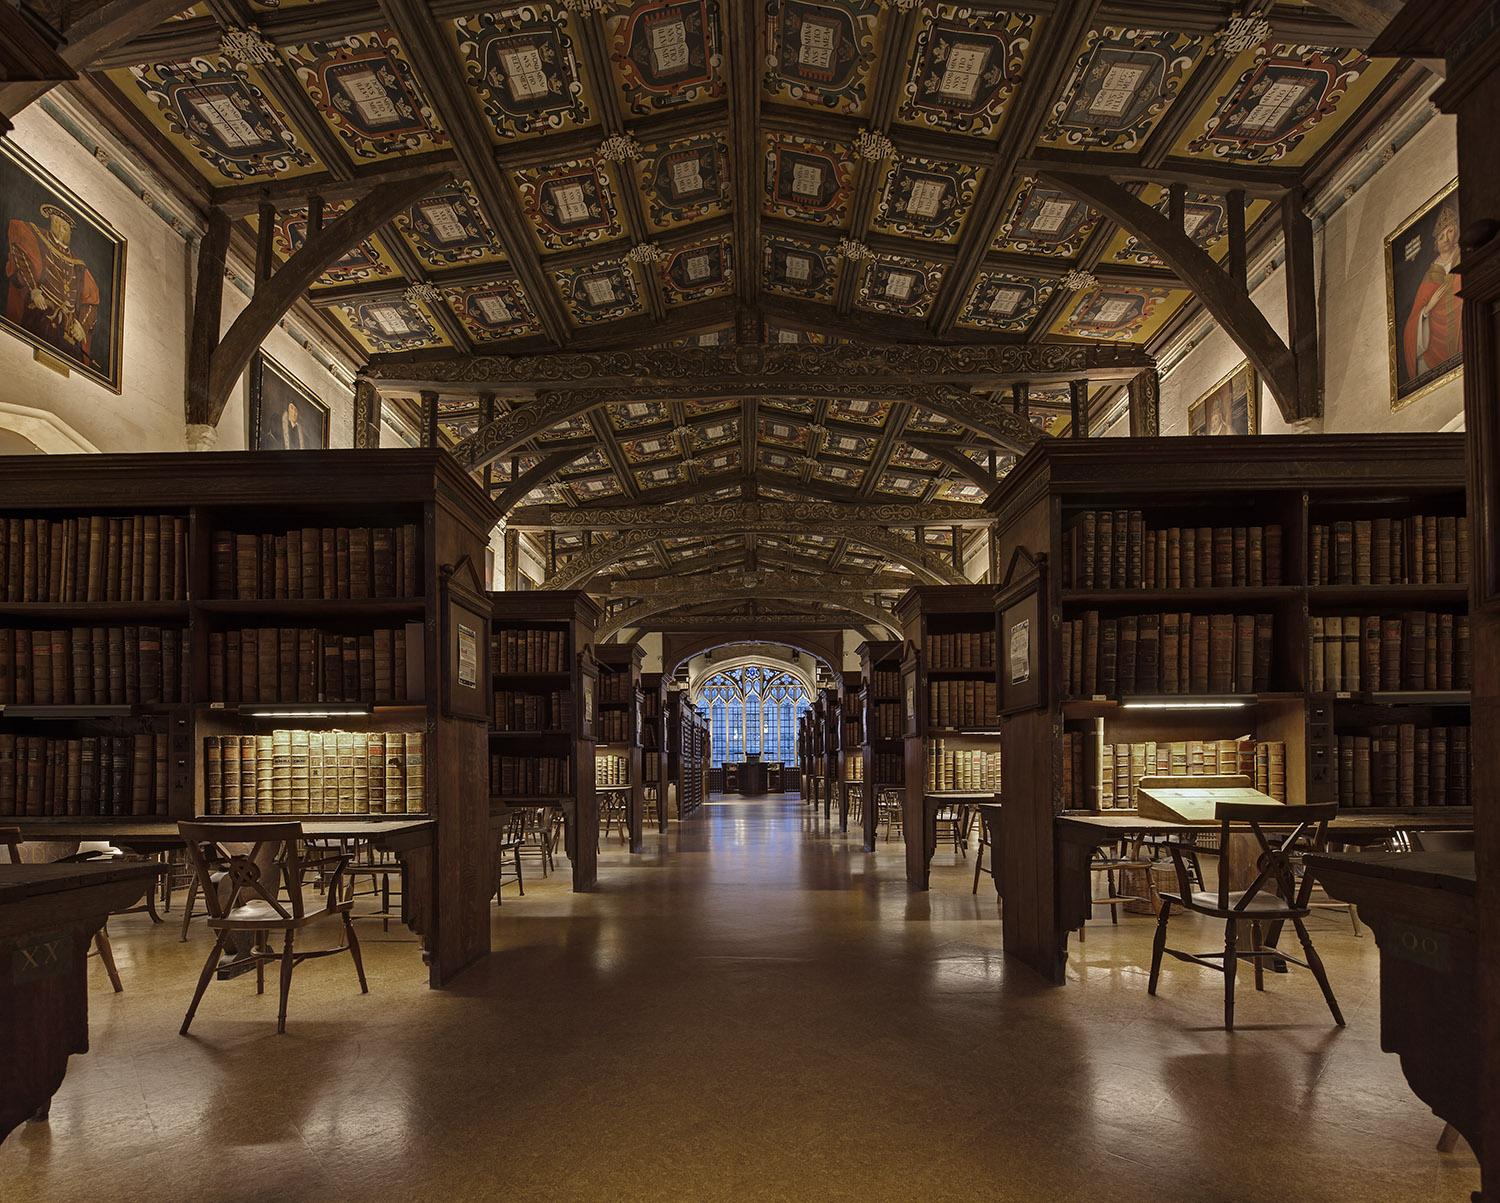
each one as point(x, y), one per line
point(1231, 407)
point(285, 415)
point(1422, 301)
point(64, 289)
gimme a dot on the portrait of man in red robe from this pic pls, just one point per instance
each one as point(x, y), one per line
point(50, 292)
point(1432, 327)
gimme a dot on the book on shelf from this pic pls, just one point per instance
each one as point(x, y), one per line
point(529, 776)
point(1422, 549)
point(297, 772)
point(316, 563)
point(1415, 650)
point(1122, 765)
point(106, 775)
point(530, 650)
point(611, 771)
point(962, 703)
point(959, 651)
point(615, 687)
point(302, 664)
point(1166, 653)
point(1117, 549)
point(885, 683)
point(1403, 764)
point(613, 726)
point(525, 710)
point(888, 722)
point(94, 666)
point(965, 770)
point(94, 558)
point(889, 768)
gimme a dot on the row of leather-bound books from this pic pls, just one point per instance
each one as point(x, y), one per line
point(854, 768)
point(966, 770)
point(1367, 652)
point(954, 650)
point(1420, 550)
point(1115, 549)
point(887, 722)
point(1174, 653)
point(530, 776)
point(94, 558)
point(530, 650)
point(614, 726)
point(93, 666)
point(1122, 766)
point(295, 772)
point(611, 771)
point(317, 563)
point(885, 683)
point(521, 710)
point(1401, 764)
point(615, 686)
point(300, 664)
point(651, 769)
point(962, 703)
point(854, 734)
point(889, 767)
point(113, 775)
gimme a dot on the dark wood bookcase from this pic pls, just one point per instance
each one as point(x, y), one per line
point(356, 497)
point(851, 746)
point(688, 755)
point(558, 626)
point(884, 746)
point(827, 770)
point(653, 748)
point(621, 703)
point(1055, 752)
point(949, 659)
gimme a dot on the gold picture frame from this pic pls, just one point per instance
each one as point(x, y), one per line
point(1221, 405)
point(1419, 283)
point(65, 253)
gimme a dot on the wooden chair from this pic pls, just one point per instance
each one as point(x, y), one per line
point(983, 843)
point(537, 837)
point(614, 810)
point(245, 900)
point(1259, 905)
point(509, 848)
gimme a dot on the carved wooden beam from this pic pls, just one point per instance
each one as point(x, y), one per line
point(748, 580)
point(101, 27)
point(1228, 302)
point(512, 494)
point(643, 611)
point(930, 569)
point(281, 291)
point(958, 461)
point(712, 517)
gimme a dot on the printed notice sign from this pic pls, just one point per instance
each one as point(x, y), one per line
point(468, 657)
point(1020, 652)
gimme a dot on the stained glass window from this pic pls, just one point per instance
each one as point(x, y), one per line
point(753, 709)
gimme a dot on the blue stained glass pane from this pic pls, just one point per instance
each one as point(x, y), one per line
point(716, 724)
point(735, 749)
point(752, 724)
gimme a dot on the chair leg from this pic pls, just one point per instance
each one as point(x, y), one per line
point(1354, 920)
point(1447, 1139)
point(203, 979)
point(978, 865)
point(1231, 963)
point(1256, 946)
point(260, 962)
point(520, 885)
point(359, 961)
point(1158, 946)
point(1315, 963)
point(107, 955)
point(287, 961)
point(187, 909)
point(385, 902)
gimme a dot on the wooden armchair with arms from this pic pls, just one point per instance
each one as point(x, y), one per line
point(242, 869)
point(1273, 898)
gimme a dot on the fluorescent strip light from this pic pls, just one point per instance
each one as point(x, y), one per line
point(1201, 703)
point(335, 710)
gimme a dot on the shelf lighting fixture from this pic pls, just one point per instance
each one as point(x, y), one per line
point(1227, 701)
point(309, 710)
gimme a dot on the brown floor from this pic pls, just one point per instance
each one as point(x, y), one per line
point(751, 1010)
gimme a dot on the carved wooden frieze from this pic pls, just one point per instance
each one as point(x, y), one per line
point(642, 612)
point(750, 515)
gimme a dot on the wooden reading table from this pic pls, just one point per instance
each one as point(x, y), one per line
point(1422, 908)
point(48, 917)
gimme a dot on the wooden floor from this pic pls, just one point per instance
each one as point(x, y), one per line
point(751, 1010)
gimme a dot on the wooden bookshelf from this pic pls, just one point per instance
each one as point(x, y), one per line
point(883, 749)
point(1231, 493)
point(653, 747)
point(541, 645)
point(827, 774)
point(353, 508)
point(851, 768)
point(948, 681)
point(620, 725)
point(687, 755)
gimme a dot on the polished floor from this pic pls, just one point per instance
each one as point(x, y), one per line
point(754, 1009)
